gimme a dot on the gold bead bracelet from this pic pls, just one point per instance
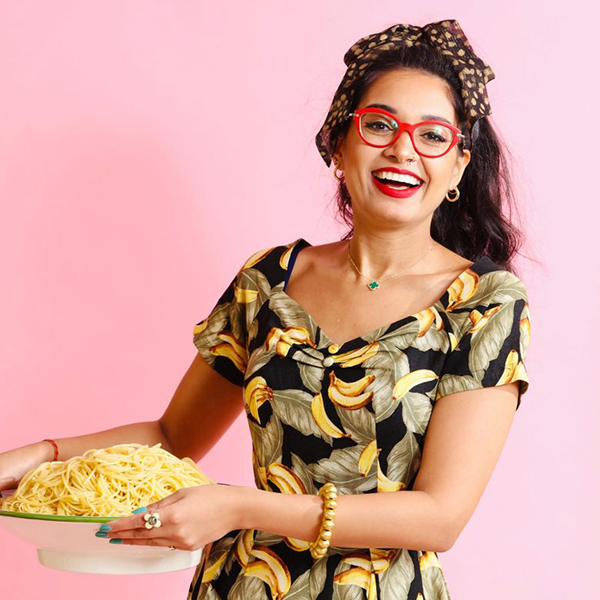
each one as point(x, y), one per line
point(319, 548)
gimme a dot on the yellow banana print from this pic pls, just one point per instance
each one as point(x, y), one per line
point(453, 340)
point(426, 319)
point(514, 369)
point(428, 559)
point(410, 380)
point(283, 339)
point(211, 572)
point(348, 395)
point(358, 356)
point(479, 321)
point(260, 569)
point(256, 258)
point(387, 485)
point(462, 289)
point(285, 479)
point(381, 559)
point(358, 576)
point(284, 259)
point(201, 326)
point(367, 456)
point(357, 559)
point(297, 544)
point(256, 393)
point(243, 296)
point(231, 349)
point(322, 420)
point(276, 566)
point(243, 547)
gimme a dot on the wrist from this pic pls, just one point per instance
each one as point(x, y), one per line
point(45, 450)
point(244, 500)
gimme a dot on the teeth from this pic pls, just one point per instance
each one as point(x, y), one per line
point(401, 178)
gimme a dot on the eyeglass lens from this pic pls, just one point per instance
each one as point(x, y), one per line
point(431, 139)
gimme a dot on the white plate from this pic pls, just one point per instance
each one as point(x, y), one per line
point(69, 544)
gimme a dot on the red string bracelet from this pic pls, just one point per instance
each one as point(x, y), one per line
point(55, 449)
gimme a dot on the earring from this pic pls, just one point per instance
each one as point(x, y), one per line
point(455, 198)
point(339, 178)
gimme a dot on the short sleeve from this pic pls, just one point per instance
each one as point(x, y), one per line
point(221, 338)
point(492, 350)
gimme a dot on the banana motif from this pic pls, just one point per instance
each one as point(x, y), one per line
point(462, 289)
point(211, 572)
point(358, 576)
point(285, 479)
point(201, 326)
point(358, 559)
point(256, 258)
point(387, 485)
point(453, 340)
point(297, 544)
point(410, 380)
point(260, 569)
point(428, 559)
point(244, 546)
point(356, 357)
point(426, 319)
point(243, 296)
point(322, 420)
point(367, 456)
point(480, 321)
point(231, 349)
point(284, 260)
point(277, 567)
point(256, 393)
point(514, 369)
point(381, 559)
point(283, 339)
point(349, 395)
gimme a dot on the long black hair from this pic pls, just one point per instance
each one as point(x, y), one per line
point(475, 225)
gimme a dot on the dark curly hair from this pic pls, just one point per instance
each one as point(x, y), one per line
point(475, 225)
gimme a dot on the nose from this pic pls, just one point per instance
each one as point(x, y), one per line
point(403, 147)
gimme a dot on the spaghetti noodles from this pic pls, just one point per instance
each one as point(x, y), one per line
point(104, 483)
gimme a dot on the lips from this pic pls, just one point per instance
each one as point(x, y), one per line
point(395, 192)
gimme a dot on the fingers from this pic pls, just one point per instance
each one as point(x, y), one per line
point(165, 542)
point(137, 520)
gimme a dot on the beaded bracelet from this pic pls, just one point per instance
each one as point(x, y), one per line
point(54, 444)
point(319, 547)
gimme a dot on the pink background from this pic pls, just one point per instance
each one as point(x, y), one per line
point(147, 148)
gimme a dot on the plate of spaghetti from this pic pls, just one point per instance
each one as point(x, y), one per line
point(59, 505)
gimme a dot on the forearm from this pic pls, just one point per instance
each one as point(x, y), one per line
point(148, 432)
point(406, 519)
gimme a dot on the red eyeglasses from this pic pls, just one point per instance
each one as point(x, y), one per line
point(379, 128)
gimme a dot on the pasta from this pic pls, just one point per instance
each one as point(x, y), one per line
point(109, 482)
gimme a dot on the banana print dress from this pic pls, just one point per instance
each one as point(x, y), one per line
point(355, 414)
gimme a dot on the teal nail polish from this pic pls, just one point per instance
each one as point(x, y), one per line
point(101, 534)
point(104, 527)
point(139, 510)
point(115, 541)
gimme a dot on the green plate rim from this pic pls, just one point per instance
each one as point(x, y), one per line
point(63, 518)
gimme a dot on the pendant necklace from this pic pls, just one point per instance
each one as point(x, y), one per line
point(373, 283)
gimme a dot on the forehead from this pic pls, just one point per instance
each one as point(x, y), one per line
point(412, 94)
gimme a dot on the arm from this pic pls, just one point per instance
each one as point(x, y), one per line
point(202, 409)
point(465, 437)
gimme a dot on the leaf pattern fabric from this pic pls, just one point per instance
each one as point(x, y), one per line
point(355, 414)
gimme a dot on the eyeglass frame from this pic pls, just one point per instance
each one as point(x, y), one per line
point(402, 127)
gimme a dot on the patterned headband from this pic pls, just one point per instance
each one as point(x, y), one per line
point(445, 36)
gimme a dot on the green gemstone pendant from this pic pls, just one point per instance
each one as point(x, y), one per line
point(373, 285)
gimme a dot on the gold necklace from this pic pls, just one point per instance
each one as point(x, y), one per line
point(373, 283)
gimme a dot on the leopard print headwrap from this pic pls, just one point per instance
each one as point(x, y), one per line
point(445, 36)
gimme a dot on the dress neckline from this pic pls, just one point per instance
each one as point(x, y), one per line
point(301, 242)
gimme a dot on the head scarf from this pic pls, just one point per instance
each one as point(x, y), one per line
point(445, 36)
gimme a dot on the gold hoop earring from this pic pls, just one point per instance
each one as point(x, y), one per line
point(336, 175)
point(455, 198)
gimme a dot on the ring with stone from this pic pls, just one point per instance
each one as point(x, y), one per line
point(172, 548)
point(152, 520)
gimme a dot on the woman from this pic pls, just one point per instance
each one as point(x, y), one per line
point(339, 383)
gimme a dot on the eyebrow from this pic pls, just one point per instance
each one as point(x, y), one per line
point(394, 112)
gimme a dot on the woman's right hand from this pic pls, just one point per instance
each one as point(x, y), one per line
point(14, 464)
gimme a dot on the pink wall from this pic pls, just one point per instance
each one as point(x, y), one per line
point(147, 148)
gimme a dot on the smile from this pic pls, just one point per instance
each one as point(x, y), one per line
point(395, 188)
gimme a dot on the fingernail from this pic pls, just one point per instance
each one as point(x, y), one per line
point(115, 541)
point(104, 527)
point(102, 534)
point(139, 510)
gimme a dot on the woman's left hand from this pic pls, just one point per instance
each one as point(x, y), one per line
point(189, 519)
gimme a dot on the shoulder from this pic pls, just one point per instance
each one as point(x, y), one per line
point(270, 262)
point(491, 284)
